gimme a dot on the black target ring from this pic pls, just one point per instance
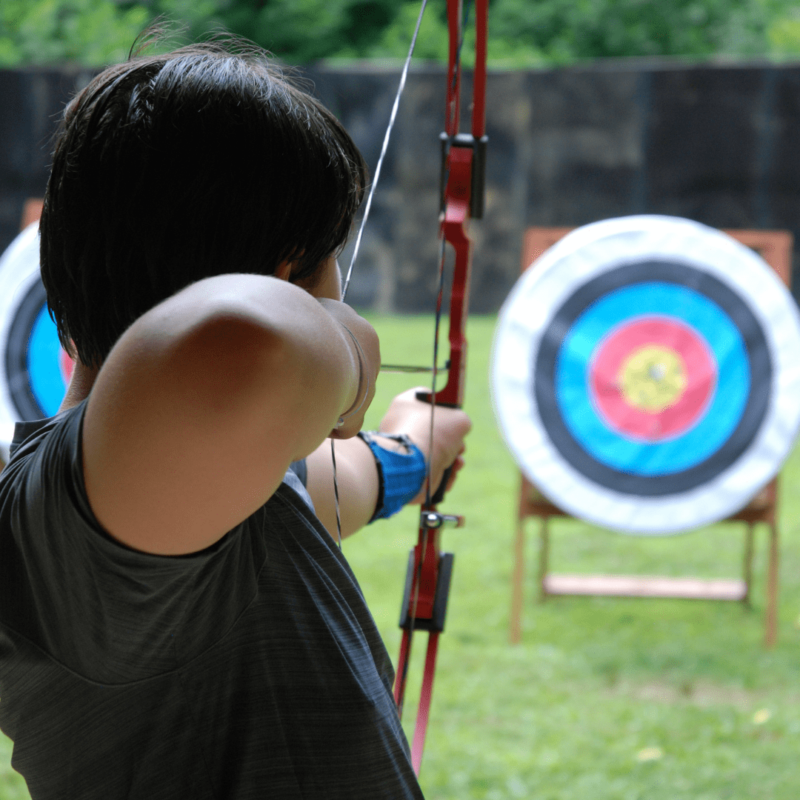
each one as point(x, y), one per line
point(759, 362)
point(16, 355)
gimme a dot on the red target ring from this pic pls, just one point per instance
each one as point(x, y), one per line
point(652, 378)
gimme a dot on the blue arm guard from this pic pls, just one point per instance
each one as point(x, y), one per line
point(400, 475)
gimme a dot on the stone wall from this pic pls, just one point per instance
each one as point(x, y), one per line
point(719, 144)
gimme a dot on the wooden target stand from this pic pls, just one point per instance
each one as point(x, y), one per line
point(775, 247)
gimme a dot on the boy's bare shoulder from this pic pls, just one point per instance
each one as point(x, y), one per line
point(201, 406)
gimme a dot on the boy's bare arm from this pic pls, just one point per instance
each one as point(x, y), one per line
point(207, 398)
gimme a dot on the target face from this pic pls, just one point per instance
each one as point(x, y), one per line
point(35, 369)
point(645, 374)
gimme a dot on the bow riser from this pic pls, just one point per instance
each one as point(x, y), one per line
point(454, 232)
point(429, 570)
point(453, 100)
point(424, 570)
point(422, 584)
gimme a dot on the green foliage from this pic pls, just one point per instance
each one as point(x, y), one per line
point(306, 31)
point(432, 40)
point(522, 32)
point(192, 19)
point(556, 31)
point(784, 35)
point(90, 32)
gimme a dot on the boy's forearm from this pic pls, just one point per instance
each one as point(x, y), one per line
point(357, 479)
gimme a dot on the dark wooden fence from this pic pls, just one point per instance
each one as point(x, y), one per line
point(719, 144)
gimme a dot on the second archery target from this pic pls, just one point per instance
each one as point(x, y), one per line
point(35, 370)
point(646, 374)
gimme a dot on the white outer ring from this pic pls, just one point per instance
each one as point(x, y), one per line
point(19, 270)
point(581, 256)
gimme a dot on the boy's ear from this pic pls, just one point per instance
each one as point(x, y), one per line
point(284, 270)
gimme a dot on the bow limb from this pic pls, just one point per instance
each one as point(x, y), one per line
point(463, 156)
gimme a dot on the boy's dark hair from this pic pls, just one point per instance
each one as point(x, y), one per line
point(172, 168)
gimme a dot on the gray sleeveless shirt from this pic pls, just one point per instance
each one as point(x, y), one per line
point(252, 669)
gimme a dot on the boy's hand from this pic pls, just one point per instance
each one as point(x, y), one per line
point(412, 417)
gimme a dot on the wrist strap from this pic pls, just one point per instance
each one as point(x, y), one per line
point(400, 475)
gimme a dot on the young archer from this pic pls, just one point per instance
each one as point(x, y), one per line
point(174, 620)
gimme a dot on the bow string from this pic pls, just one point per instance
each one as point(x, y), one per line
point(429, 572)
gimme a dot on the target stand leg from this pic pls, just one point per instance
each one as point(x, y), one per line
point(518, 581)
point(748, 564)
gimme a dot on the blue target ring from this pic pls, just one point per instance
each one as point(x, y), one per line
point(34, 369)
point(33, 355)
point(722, 319)
point(720, 418)
point(44, 373)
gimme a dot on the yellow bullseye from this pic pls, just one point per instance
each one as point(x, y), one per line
point(652, 378)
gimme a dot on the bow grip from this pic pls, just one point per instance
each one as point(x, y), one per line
point(438, 495)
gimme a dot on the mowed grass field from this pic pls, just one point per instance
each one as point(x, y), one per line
point(604, 699)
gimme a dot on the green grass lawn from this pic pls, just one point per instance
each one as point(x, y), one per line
point(604, 699)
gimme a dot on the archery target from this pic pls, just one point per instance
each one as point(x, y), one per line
point(646, 374)
point(35, 369)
